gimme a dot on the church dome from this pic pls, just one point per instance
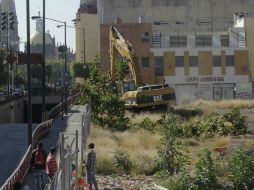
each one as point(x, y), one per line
point(37, 36)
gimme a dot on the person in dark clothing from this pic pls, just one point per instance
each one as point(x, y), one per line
point(91, 167)
point(38, 162)
point(39, 156)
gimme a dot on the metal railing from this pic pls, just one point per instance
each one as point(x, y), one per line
point(20, 172)
point(40, 132)
point(72, 155)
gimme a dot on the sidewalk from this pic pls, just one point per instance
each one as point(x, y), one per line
point(69, 125)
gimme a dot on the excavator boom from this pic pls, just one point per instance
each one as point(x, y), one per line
point(118, 45)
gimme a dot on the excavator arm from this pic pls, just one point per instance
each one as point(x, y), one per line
point(118, 45)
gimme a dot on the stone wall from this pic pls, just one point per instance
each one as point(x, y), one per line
point(12, 112)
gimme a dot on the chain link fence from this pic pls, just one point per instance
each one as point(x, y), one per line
point(71, 149)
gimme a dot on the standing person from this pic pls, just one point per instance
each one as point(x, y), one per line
point(38, 162)
point(51, 165)
point(91, 167)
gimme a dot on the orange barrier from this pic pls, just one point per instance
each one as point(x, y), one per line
point(81, 184)
point(40, 132)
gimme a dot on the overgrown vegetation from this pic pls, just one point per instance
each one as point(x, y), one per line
point(159, 146)
point(231, 123)
point(170, 153)
point(241, 169)
point(205, 171)
point(122, 162)
point(108, 109)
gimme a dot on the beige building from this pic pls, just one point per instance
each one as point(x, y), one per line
point(197, 46)
point(87, 32)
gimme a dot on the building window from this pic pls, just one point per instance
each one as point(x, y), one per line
point(145, 61)
point(156, 40)
point(160, 22)
point(178, 41)
point(159, 66)
point(159, 62)
point(204, 41)
point(216, 61)
point(224, 40)
point(179, 61)
point(193, 61)
point(230, 61)
point(145, 36)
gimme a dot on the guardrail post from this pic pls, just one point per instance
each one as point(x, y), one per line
point(76, 160)
point(82, 142)
point(63, 162)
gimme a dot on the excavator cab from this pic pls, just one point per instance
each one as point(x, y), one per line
point(129, 85)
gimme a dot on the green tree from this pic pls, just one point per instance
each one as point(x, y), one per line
point(79, 70)
point(108, 109)
point(170, 154)
point(241, 169)
point(205, 171)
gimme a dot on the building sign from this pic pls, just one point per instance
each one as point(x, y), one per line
point(36, 58)
point(204, 79)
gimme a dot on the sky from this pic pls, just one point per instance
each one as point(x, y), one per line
point(63, 10)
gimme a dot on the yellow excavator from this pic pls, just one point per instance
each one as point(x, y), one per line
point(134, 93)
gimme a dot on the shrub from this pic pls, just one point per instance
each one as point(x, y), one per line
point(241, 170)
point(105, 166)
point(170, 153)
point(188, 113)
point(238, 121)
point(147, 124)
point(215, 124)
point(181, 181)
point(205, 171)
point(122, 162)
point(144, 165)
point(170, 123)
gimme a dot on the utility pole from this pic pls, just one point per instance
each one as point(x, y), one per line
point(43, 106)
point(4, 26)
point(29, 100)
point(65, 69)
point(84, 37)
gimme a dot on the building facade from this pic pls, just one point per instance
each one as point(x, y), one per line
point(87, 31)
point(203, 48)
point(51, 48)
point(8, 7)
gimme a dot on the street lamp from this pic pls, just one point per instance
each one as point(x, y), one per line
point(65, 49)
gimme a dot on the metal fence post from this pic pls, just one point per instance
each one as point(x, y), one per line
point(63, 162)
point(76, 158)
point(81, 145)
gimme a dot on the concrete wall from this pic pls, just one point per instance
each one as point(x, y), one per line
point(87, 33)
point(249, 24)
point(177, 15)
point(12, 112)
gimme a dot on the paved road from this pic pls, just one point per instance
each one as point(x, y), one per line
point(69, 125)
point(13, 145)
